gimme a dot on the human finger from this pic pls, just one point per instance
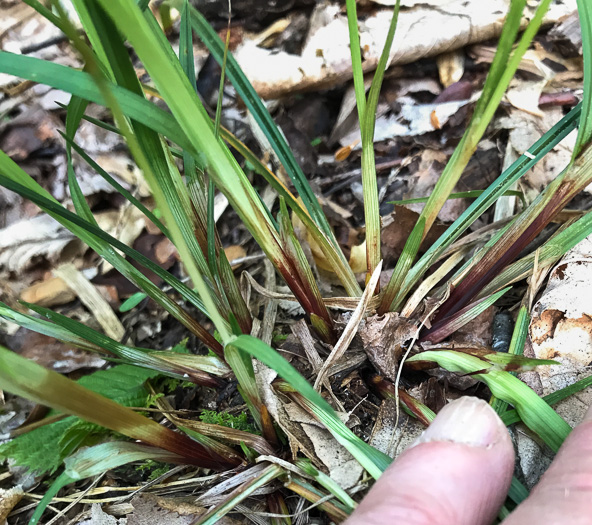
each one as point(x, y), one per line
point(457, 473)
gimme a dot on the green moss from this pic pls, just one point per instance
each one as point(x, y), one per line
point(154, 469)
point(225, 419)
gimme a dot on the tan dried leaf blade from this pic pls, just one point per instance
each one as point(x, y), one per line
point(150, 509)
point(306, 435)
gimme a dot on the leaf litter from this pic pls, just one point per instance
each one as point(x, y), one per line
point(420, 115)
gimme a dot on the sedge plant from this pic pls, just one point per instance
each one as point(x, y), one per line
point(160, 140)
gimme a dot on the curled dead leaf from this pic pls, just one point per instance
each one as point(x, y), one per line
point(26, 242)
point(383, 337)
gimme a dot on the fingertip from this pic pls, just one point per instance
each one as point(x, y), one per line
point(564, 493)
point(458, 472)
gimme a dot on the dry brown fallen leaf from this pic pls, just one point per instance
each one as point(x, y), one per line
point(306, 435)
point(396, 229)
point(99, 517)
point(90, 297)
point(340, 464)
point(410, 120)
point(357, 258)
point(125, 224)
point(525, 95)
point(567, 35)
point(422, 31)
point(233, 253)
point(15, 412)
point(22, 27)
point(150, 510)
point(26, 242)
point(51, 292)
point(524, 130)
point(388, 439)
point(51, 353)
point(560, 329)
point(165, 251)
point(383, 337)
point(477, 332)
point(30, 131)
point(9, 498)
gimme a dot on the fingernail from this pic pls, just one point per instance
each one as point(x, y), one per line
point(469, 421)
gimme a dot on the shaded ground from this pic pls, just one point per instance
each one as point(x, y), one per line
point(425, 105)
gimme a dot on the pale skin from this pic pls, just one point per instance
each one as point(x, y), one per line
point(459, 472)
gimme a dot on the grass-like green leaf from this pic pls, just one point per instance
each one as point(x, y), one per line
point(31, 381)
point(43, 449)
point(372, 460)
point(190, 367)
point(151, 152)
point(367, 125)
point(502, 71)
point(550, 252)
point(139, 109)
point(302, 273)
point(518, 492)
point(278, 142)
point(198, 192)
point(512, 416)
point(356, 58)
point(472, 194)
point(367, 118)
point(132, 301)
point(504, 247)
point(191, 116)
point(240, 494)
point(497, 189)
point(325, 481)
point(516, 348)
point(98, 459)
point(254, 104)
point(15, 179)
point(585, 131)
point(112, 182)
point(334, 509)
point(534, 412)
point(402, 268)
point(441, 331)
point(242, 366)
point(106, 456)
